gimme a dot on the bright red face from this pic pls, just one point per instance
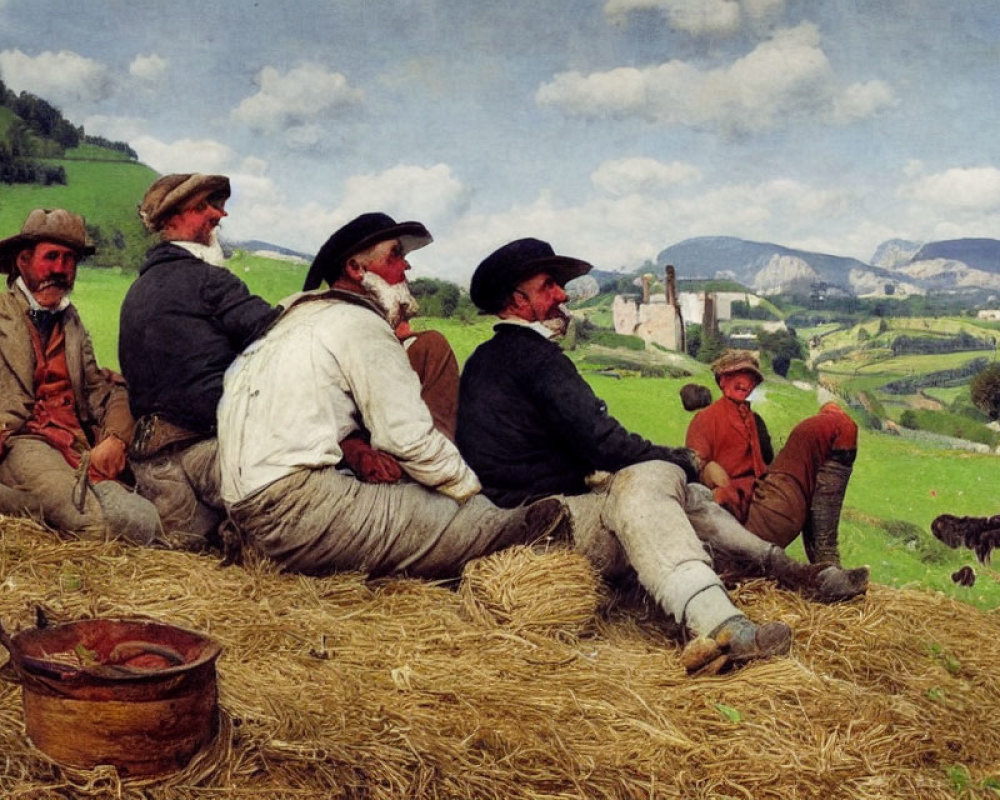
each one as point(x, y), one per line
point(197, 221)
point(386, 260)
point(49, 272)
point(737, 386)
point(538, 298)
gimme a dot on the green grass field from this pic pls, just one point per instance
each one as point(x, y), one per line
point(898, 486)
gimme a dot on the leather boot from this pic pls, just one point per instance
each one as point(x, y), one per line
point(980, 534)
point(735, 642)
point(819, 535)
point(824, 583)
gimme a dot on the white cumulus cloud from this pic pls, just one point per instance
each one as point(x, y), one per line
point(183, 155)
point(66, 79)
point(629, 175)
point(150, 69)
point(786, 76)
point(406, 191)
point(295, 99)
point(861, 100)
point(958, 189)
point(700, 17)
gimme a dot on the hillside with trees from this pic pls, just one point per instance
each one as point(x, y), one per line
point(48, 162)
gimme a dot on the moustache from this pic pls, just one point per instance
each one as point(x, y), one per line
point(56, 281)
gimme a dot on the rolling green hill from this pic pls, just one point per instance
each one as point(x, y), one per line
point(103, 183)
point(104, 188)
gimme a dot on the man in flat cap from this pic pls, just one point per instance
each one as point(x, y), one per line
point(183, 321)
point(329, 367)
point(775, 497)
point(530, 426)
point(64, 422)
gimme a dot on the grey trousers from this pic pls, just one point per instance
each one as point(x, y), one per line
point(184, 487)
point(646, 517)
point(318, 521)
point(61, 501)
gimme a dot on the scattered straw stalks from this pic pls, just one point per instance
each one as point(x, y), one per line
point(529, 680)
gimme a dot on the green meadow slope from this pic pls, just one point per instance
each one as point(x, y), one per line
point(102, 185)
point(899, 485)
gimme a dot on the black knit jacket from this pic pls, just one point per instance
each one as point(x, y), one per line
point(530, 426)
point(182, 323)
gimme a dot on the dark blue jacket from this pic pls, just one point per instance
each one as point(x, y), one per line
point(182, 323)
point(530, 426)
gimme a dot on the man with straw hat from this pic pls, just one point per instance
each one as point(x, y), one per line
point(64, 422)
point(329, 367)
point(531, 427)
point(183, 321)
point(775, 497)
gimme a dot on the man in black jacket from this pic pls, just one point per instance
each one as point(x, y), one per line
point(530, 426)
point(183, 321)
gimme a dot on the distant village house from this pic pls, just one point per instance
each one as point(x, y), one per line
point(660, 318)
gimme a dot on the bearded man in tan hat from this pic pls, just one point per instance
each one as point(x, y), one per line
point(775, 497)
point(64, 422)
point(183, 321)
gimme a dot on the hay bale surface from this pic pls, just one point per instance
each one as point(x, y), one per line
point(554, 593)
point(342, 688)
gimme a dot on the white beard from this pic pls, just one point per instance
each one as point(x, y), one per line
point(560, 324)
point(211, 253)
point(396, 301)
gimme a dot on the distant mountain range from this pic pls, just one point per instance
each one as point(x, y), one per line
point(266, 248)
point(898, 267)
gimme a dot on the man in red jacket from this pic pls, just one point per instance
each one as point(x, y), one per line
point(802, 489)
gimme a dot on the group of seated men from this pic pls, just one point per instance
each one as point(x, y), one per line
point(326, 435)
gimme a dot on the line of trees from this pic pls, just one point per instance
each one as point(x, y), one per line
point(40, 131)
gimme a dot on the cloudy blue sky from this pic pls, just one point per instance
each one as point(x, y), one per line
point(612, 128)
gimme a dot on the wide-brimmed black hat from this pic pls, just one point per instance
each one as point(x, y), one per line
point(503, 269)
point(360, 234)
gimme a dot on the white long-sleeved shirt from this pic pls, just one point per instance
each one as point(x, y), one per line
point(326, 368)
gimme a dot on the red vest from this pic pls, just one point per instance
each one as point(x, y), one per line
point(53, 416)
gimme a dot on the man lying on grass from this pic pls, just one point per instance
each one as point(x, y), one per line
point(531, 427)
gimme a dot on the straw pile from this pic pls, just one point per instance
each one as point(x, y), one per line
point(342, 688)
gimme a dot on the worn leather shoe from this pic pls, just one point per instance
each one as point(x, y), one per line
point(735, 642)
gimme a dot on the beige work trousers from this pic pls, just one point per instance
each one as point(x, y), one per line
point(184, 486)
point(648, 518)
point(318, 521)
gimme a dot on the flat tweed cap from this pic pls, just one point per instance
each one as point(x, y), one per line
point(47, 225)
point(502, 270)
point(360, 234)
point(737, 361)
point(169, 193)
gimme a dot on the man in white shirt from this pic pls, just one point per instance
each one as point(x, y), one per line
point(330, 366)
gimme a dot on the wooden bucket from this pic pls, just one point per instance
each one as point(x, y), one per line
point(141, 696)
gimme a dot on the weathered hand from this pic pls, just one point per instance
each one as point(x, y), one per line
point(108, 457)
point(369, 465)
point(378, 467)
